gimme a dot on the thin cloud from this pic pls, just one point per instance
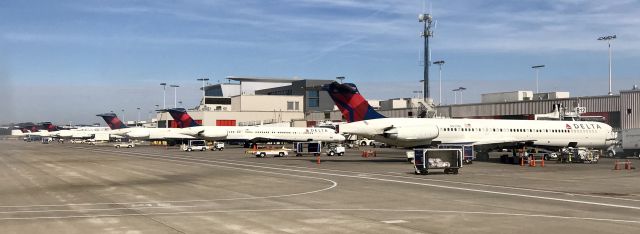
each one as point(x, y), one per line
point(102, 40)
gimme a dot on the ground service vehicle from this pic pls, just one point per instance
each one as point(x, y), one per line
point(450, 160)
point(217, 146)
point(195, 145)
point(547, 155)
point(365, 142)
point(272, 152)
point(314, 148)
point(124, 144)
point(468, 154)
point(578, 155)
point(628, 144)
point(335, 150)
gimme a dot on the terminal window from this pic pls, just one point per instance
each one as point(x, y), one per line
point(218, 101)
point(313, 98)
point(293, 105)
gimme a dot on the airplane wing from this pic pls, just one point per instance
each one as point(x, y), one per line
point(267, 139)
point(493, 143)
point(177, 136)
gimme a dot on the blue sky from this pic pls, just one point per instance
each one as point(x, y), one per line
point(69, 60)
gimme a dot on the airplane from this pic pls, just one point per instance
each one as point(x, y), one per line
point(21, 131)
point(47, 129)
point(121, 129)
point(484, 134)
point(40, 130)
point(76, 133)
point(254, 134)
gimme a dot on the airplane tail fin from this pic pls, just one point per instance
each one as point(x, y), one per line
point(31, 128)
point(49, 126)
point(27, 129)
point(182, 118)
point(113, 121)
point(350, 102)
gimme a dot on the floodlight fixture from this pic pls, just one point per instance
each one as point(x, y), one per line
point(608, 39)
point(537, 67)
point(439, 63)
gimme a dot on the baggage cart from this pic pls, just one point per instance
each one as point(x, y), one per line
point(449, 160)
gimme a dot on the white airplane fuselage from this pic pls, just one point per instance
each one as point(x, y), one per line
point(153, 133)
point(83, 132)
point(253, 133)
point(413, 132)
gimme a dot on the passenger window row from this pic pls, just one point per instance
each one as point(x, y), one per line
point(515, 130)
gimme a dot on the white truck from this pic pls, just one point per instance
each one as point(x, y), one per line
point(271, 152)
point(543, 154)
point(217, 146)
point(124, 144)
point(628, 144)
point(195, 145)
point(335, 150)
point(365, 142)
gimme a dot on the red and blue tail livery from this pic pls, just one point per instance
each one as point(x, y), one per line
point(182, 118)
point(29, 128)
point(49, 126)
point(350, 102)
point(113, 121)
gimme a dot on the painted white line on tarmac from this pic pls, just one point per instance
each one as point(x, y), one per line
point(456, 212)
point(186, 163)
point(395, 221)
point(198, 161)
point(428, 179)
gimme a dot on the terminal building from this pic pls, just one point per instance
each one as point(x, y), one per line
point(246, 101)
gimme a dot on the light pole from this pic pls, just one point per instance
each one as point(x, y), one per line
point(137, 123)
point(418, 93)
point(426, 33)
point(461, 89)
point(164, 100)
point(180, 102)
point(175, 95)
point(123, 119)
point(537, 67)
point(157, 107)
point(455, 94)
point(164, 95)
point(608, 39)
point(203, 93)
point(440, 63)
point(341, 79)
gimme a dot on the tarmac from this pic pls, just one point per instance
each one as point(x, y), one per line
point(74, 188)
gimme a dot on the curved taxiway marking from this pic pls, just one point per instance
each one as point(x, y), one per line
point(437, 180)
point(185, 163)
point(205, 162)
